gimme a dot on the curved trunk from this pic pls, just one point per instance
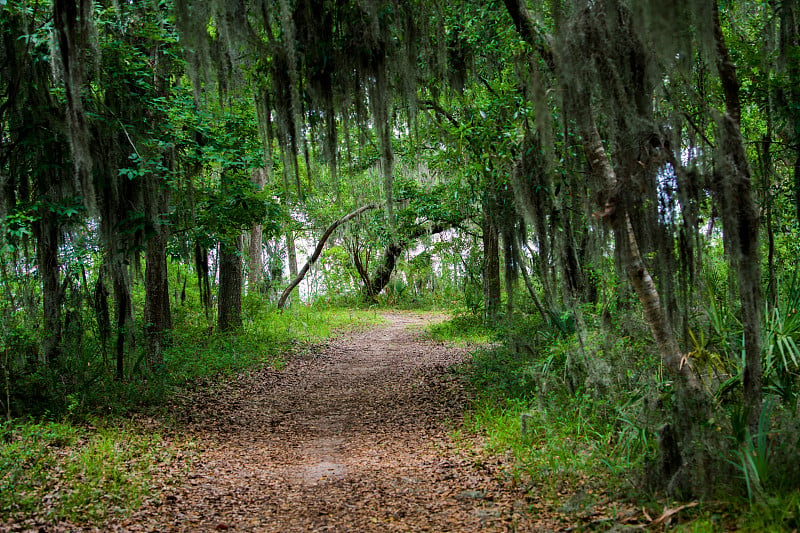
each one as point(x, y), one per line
point(317, 251)
point(380, 278)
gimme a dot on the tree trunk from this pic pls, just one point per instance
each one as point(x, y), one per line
point(681, 464)
point(255, 265)
point(767, 174)
point(203, 278)
point(47, 235)
point(380, 278)
point(789, 43)
point(628, 248)
point(123, 306)
point(157, 316)
point(103, 317)
point(383, 273)
point(529, 285)
point(291, 252)
point(740, 223)
point(156, 301)
point(230, 285)
point(491, 270)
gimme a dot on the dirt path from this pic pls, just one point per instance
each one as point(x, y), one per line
point(356, 437)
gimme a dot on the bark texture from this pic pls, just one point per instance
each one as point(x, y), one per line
point(123, 306)
point(740, 222)
point(156, 305)
point(47, 236)
point(230, 285)
point(255, 265)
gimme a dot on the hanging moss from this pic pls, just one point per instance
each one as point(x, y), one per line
point(76, 38)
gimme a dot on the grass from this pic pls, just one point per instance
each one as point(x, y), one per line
point(267, 336)
point(57, 471)
point(465, 328)
point(591, 430)
point(561, 447)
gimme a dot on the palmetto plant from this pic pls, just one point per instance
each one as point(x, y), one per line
point(781, 359)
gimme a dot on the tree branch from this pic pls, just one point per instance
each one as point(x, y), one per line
point(433, 106)
point(527, 28)
point(318, 250)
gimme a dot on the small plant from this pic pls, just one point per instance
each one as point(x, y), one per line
point(754, 455)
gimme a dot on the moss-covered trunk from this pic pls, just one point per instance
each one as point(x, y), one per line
point(47, 235)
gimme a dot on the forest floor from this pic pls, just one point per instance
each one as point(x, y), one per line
point(358, 435)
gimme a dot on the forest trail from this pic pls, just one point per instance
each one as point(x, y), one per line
point(354, 437)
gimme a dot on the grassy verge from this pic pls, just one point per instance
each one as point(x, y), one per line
point(267, 336)
point(194, 352)
point(59, 472)
point(464, 328)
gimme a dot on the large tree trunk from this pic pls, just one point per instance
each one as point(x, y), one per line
point(47, 235)
point(156, 304)
point(230, 285)
point(157, 316)
point(740, 223)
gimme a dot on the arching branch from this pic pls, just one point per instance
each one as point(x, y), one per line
point(318, 250)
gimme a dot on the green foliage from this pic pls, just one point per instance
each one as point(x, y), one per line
point(237, 206)
point(573, 414)
point(781, 361)
point(267, 338)
point(82, 381)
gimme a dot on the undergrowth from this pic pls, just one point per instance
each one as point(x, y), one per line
point(581, 415)
point(83, 383)
point(78, 462)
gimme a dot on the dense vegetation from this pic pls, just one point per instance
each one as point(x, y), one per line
point(608, 189)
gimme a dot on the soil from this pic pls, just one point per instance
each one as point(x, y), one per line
point(359, 435)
